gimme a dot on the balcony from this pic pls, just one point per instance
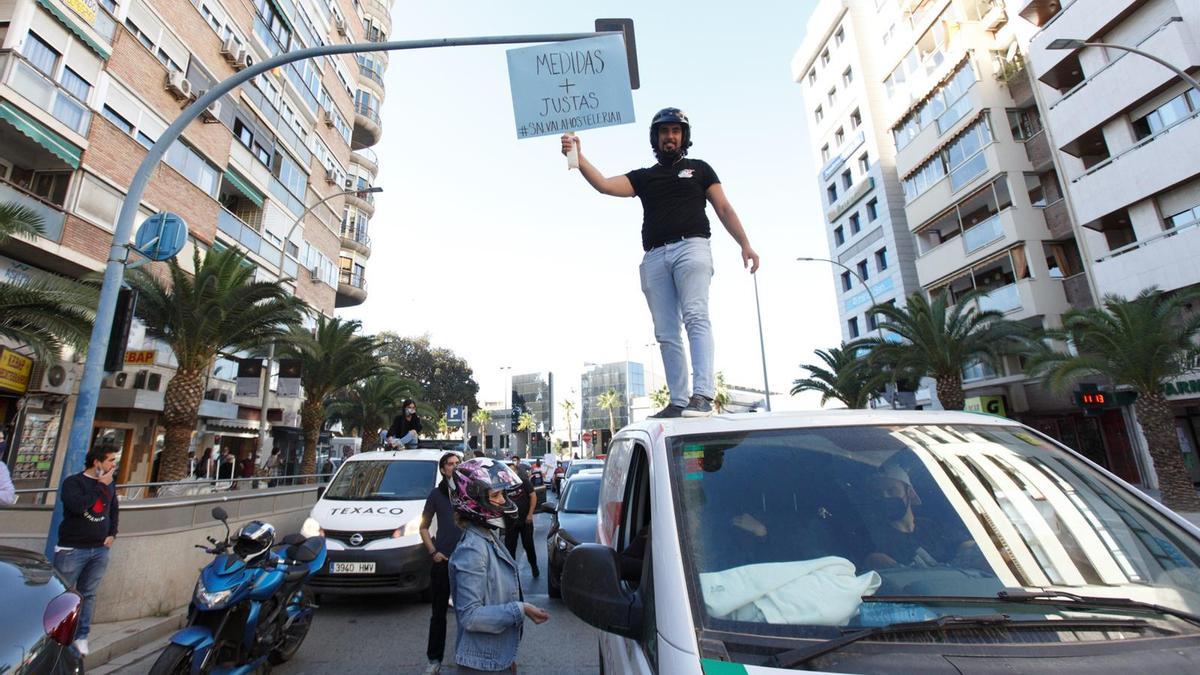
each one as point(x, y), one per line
point(379, 11)
point(364, 202)
point(371, 75)
point(357, 241)
point(366, 157)
point(1079, 295)
point(1039, 12)
point(1058, 220)
point(1003, 299)
point(1037, 149)
point(41, 91)
point(251, 240)
point(351, 289)
point(1167, 260)
point(1015, 75)
point(52, 216)
point(368, 128)
point(1080, 20)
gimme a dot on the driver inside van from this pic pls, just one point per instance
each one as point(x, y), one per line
point(901, 538)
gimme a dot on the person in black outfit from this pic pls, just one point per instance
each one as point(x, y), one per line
point(522, 525)
point(225, 465)
point(437, 504)
point(405, 427)
point(677, 266)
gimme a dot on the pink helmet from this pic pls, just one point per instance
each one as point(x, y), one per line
point(473, 480)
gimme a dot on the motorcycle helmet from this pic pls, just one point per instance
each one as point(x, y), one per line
point(253, 541)
point(671, 116)
point(473, 480)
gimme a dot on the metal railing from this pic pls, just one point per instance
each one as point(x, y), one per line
point(1137, 146)
point(367, 154)
point(367, 111)
point(53, 216)
point(1116, 59)
point(44, 92)
point(356, 235)
point(371, 74)
point(355, 279)
point(1146, 242)
point(198, 487)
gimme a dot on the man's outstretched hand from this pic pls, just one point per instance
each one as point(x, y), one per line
point(750, 259)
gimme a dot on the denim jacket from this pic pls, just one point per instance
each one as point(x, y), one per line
point(486, 591)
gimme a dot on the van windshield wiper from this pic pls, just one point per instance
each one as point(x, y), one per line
point(1051, 597)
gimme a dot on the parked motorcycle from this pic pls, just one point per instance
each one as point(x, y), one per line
point(250, 609)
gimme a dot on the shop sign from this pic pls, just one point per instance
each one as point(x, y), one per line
point(1182, 389)
point(838, 160)
point(140, 357)
point(992, 405)
point(850, 199)
point(84, 8)
point(14, 371)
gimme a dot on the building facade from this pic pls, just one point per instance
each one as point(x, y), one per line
point(1125, 132)
point(86, 86)
point(627, 379)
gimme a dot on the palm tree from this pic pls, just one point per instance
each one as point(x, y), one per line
point(661, 397)
point(843, 375)
point(332, 356)
point(219, 309)
point(45, 312)
point(568, 407)
point(481, 418)
point(1141, 343)
point(526, 423)
point(369, 404)
point(610, 401)
point(940, 341)
point(721, 395)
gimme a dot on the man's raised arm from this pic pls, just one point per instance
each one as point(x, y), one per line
point(617, 186)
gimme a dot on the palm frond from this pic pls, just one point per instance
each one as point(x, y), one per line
point(19, 220)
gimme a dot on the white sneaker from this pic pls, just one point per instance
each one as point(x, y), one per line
point(81, 646)
point(433, 668)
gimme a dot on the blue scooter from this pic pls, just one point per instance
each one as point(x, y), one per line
point(246, 616)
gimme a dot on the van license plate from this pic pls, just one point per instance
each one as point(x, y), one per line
point(352, 568)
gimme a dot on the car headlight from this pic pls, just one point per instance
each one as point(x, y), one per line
point(562, 542)
point(205, 598)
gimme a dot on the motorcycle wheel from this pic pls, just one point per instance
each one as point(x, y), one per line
point(174, 659)
point(292, 640)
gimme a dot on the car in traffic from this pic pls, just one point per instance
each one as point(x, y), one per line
point(40, 616)
point(581, 464)
point(370, 515)
point(573, 522)
point(879, 541)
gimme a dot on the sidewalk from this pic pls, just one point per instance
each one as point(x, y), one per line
point(109, 642)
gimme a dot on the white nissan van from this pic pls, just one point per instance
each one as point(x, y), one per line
point(879, 541)
point(370, 514)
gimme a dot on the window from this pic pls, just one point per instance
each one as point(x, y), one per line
point(831, 193)
point(975, 218)
point(945, 106)
point(243, 134)
point(812, 77)
point(855, 223)
point(115, 117)
point(962, 159)
point(1166, 115)
point(832, 96)
point(262, 154)
point(855, 119)
point(1043, 188)
point(847, 180)
point(881, 262)
point(872, 320)
point(76, 85)
point(1025, 124)
point(839, 137)
point(840, 36)
point(847, 281)
point(819, 114)
point(195, 168)
point(872, 210)
point(852, 325)
point(864, 164)
point(270, 26)
point(839, 235)
point(863, 270)
point(825, 153)
point(40, 54)
point(847, 77)
point(825, 57)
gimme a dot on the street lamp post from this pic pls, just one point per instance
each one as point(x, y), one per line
point(266, 385)
point(874, 303)
point(114, 270)
point(1073, 44)
point(762, 345)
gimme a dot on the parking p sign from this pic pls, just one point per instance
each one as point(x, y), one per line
point(456, 414)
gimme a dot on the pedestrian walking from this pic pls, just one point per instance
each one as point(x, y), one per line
point(273, 467)
point(87, 532)
point(226, 465)
point(8, 491)
point(520, 525)
point(483, 577)
point(437, 505)
point(206, 468)
point(405, 427)
point(677, 265)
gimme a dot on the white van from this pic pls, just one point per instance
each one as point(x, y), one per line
point(370, 514)
point(878, 541)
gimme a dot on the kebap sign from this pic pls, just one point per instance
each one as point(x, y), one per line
point(570, 86)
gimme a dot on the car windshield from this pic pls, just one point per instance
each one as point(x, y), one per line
point(582, 496)
point(795, 527)
point(383, 480)
point(578, 466)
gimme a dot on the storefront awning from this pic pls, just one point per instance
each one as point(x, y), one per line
point(73, 26)
point(239, 428)
point(242, 185)
point(35, 130)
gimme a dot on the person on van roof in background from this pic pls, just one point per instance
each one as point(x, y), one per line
point(677, 266)
point(405, 427)
point(483, 576)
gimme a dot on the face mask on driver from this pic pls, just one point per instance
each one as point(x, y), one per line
point(891, 508)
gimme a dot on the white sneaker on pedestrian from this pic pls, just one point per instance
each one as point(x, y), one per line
point(81, 646)
point(433, 668)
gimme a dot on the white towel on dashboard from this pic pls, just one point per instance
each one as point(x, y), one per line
point(824, 592)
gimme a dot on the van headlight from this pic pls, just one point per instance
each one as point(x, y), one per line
point(409, 528)
point(206, 599)
point(311, 528)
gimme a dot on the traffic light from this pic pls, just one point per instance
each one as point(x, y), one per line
point(625, 27)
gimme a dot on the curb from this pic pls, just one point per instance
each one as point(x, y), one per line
point(106, 648)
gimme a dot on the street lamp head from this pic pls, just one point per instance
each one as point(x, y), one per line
point(1066, 43)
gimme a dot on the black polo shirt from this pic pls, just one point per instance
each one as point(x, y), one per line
point(673, 200)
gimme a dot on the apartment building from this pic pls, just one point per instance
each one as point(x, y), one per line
point(1125, 133)
point(842, 82)
point(85, 87)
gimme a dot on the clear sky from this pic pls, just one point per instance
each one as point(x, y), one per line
point(488, 244)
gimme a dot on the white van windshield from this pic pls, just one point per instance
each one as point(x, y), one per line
point(383, 480)
point(820, 527)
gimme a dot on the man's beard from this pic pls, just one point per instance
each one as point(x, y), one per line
point(668, 157)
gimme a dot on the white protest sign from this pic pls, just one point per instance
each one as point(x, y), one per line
point(570, 86)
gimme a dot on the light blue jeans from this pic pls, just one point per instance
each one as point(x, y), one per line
point(675, 280)
point(82, 569)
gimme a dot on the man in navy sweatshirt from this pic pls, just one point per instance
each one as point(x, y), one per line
point(87, 531)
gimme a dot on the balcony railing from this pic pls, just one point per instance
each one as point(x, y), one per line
point(1002, 299)
point(367, 154)
point(983, 234)
point(53, 216)
point(105, 24)
point(370, 74)
point(367, 111)
point(356, 235)
point(355, 279)
point(44, 92)
point(377, 8)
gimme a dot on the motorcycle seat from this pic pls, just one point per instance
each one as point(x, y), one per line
point(306, 551)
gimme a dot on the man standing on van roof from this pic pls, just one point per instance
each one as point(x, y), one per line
point(677, 266)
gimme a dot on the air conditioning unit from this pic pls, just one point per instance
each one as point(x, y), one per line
point(54, 378)
point(118, 380)
point(244, 60)
point(340, 24)
point(328, 118)
point(179, 86)
point(212, 113)
point(231, 49)
point(331, 177)
point(315, 272)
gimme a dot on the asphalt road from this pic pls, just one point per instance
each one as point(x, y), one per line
point(388, 634)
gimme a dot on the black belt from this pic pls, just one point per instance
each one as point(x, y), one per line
point(675, 240)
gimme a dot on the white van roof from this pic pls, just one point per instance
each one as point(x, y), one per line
point(398, 456)
point(810, 418)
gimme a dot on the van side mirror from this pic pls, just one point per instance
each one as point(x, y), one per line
point(591, 587)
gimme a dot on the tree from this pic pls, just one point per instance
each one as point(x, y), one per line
point(369, 404)
point(842, 375)
point(443, 426)
point(1141, 343)
point(332, 356)
point(610, 401)
point(221, 309)
point(661, 397)
point(526, 423)
point(481, 418)
point(721, 395)
point(940, 341)
point(445, 378)
point(43, 312)
point(568, 407)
